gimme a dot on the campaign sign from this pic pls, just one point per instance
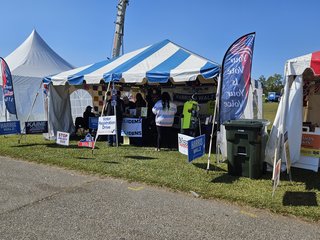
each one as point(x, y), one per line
point(107, 125)
point(63, 138)
point(88, 141)
point(183, 143)
point(276, 174)
point(196, 147)
point(12, 127)
point(132, 127)
point(36, 127)
point(93, 122)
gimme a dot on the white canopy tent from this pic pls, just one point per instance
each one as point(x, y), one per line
point(299, 103)
point(162, 62)
point(29, 64)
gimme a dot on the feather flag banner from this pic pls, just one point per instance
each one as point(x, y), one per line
point(7, 87)
point(236, 78)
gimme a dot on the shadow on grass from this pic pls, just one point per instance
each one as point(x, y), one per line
point(300, 199)
point(310, 178)
point(140, 157)
point(30, 145)
point(211, 167)
point(110, 162)
point(225, 178)
point(49, 145)
point(86, 158)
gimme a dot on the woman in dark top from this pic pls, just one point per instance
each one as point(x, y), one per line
point(140, 102)
point(86, 115)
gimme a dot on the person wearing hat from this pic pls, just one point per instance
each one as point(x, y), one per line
point(86, 115)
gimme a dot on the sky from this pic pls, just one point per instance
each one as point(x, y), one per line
point(81, 31)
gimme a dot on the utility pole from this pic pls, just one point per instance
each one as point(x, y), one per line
point(119, 30)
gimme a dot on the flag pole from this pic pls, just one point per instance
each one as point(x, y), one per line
point(213, 121)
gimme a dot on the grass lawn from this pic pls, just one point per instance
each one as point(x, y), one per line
point(170, 169)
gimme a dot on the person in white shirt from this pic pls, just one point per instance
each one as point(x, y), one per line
point(164, 109)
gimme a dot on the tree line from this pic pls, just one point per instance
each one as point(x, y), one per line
point(271, 84)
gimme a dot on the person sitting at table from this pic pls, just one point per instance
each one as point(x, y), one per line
point(128, 105)
point(86, 115)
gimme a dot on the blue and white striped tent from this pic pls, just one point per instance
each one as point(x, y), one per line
point(158, 63)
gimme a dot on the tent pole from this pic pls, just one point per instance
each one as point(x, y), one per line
point(213, 121)
point(105, 100)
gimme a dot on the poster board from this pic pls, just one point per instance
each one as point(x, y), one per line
point(12, 127)
point(183, 143)
point(310, 145)
point(63, 138)
point(131, 127)
point(196, 147)
point(107, 125)
point(35, 127)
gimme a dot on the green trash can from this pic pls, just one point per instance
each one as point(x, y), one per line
point(246, 141)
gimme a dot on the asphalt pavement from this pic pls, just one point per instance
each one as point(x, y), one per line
point(45, 202)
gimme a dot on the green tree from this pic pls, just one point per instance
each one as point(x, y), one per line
point(272, 83)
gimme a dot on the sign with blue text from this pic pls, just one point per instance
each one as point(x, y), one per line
point(236, 78)
point(93, 122)
point(12, 127)
point(63, 138)
point(183, 143)
point(196, 147)
point(107, 125)
point(36, 127)
point(132, 127)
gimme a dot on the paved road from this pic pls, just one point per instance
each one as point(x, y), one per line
point(42, 202)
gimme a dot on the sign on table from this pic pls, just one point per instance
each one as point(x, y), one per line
point(132, 127)
point(93, 122)
point(88, 141)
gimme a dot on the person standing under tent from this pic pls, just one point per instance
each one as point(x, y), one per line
point(140, 102)
point(128, 105)
point(164, 109)
point(119, 115)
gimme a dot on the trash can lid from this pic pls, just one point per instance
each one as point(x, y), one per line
point(248, 123)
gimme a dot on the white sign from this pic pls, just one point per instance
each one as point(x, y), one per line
point(144, 112)
point(107, 125)
point(63, 138)
point(183, 143)
point(132, 127)
point(277, 171)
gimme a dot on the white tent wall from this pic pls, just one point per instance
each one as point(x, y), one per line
point(80, 99)
point(290, 106)
point(29, 99)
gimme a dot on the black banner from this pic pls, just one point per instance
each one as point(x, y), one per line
point(36, 127)
point(200, 98)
